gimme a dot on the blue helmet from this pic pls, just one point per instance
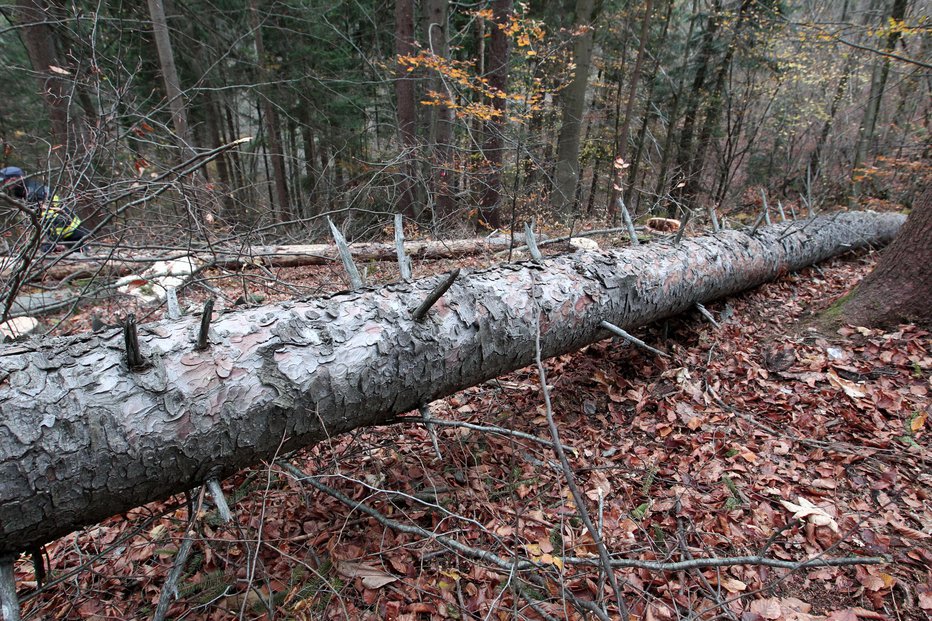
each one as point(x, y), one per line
point(10, 172)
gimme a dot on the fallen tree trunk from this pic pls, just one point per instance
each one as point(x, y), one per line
point(269, 256)
point(83, 436)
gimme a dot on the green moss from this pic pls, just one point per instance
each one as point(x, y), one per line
point(835, 310)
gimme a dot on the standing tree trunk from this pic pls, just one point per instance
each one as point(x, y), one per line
point(815, 159)
point(632, 200)
point(621, 143)
point(493, 148)
point(406, 112)
point(900, 287)
point(85, 436)
point(684, 154)
point(39, 40)
point(566, 174)
point(273, 132)
point(660, 189)
point(170, 77)
point(713, 108)
point(878, 85)
point(436, 14)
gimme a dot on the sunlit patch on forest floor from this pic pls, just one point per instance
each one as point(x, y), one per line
point(709, 453)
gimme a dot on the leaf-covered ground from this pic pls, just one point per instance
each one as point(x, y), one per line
point(761, 437)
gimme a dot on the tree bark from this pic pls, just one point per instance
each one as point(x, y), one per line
point(621, 140)
point(173, 91)
point(84, 437)
point(38, 39)
point(275, 150)
point(684, 154)
point(436, 17)
point(566, 174)
point(878, 85)
point(494, 146)
point(405, 109)
point(900, 287)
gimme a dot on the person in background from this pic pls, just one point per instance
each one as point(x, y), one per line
point(61, 226)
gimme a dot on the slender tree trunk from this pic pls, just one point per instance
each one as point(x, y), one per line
point(714, 105)
point(815, 160)
point(878, 85)
point(310, 155)
point(566, 173)
point(275, 150)
point(436, 16)
point(406, 112)
point(630, 198)
point(684, 155)
point(493, 149)
point(170, 77)
point(621, 143)
point(85, 436)
point(660, 189)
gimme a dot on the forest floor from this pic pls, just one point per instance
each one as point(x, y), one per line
point(760, 437)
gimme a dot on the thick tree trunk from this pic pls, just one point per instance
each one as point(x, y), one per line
point(84, 437)
point(900, 287)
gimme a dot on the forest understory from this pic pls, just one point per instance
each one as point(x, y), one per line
point(761, 437)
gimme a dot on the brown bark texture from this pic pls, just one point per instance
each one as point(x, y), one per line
point(83, 437)
point(494, 146)
point(39, 41)
point(900, 287)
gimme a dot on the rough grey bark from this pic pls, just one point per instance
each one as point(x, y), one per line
point(82, 437)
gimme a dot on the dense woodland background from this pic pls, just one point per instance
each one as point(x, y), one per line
point(458, 114)
point(171, 125)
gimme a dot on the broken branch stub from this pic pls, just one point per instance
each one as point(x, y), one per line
point(421, 311)
point(83, 438)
